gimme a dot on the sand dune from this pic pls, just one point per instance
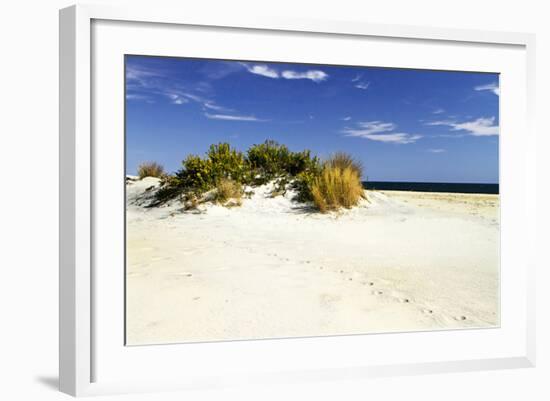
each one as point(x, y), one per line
point(400, 261)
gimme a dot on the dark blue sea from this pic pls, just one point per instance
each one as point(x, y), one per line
point(432, 187)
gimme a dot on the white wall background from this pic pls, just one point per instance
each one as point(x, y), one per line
point(29, 186)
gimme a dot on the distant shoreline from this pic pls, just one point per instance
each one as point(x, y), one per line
point(466, 188)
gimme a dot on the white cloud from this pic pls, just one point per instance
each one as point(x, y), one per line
point(438, 111)
point(357, 78)
point(347, 118)
point(436, 150)
point(362, 85)
point(269, 72)
point(230, 117)
point(263, 70)
point(399, 138)
point(479, 127)
point(381, 132)
point(493, 87)
point(313, 75)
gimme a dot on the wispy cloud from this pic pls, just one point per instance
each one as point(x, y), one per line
point(145, 84)
point(479, 127)
point(138, 73)
point(436, 150)
point(381, 132)
point(359, 82)
point(136, 96)
point(372, 127)
point(177, 98)
point(347, 118)
point(270, 72)
point(493, 87)
point(220, 69)
point(362, 85)
point(215, 107)
point(438, 111)
point(231, 117)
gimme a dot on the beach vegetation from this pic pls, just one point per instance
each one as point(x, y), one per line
point(150, 169)
point(344, 160)
point(269, 160)
point(225, 163)
point(338, 185)
point(228, 189)
point(223, 172)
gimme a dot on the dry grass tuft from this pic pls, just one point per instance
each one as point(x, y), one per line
point(229, 190)
point(344, 160)
point(336, 187)
point(150, 169)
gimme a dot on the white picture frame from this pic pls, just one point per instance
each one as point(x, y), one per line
point(82, 344)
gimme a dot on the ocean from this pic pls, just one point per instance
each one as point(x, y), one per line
point(433, 187)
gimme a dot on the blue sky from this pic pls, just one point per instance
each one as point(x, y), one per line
point(404, 125)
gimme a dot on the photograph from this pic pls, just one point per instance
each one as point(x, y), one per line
point(270, 200)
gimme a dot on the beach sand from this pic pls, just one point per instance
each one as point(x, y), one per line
point(400, 261)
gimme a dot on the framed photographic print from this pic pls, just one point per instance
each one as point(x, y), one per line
point(264, 200)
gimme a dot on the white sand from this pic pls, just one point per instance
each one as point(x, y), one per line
point(403, 261)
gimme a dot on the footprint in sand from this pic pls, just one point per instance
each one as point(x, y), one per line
point(460, 318)
point(427, 311)
point(327, 300)
point(184, 274)
point(377, 292)
point(404, 300)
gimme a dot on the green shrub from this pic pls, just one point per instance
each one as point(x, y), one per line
point(303, 184)
point(225, 162)
point(267, 160)
point(270, 160)
point(302, 162)
point(196, 174)
point(150, 169)
point(199, 175)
